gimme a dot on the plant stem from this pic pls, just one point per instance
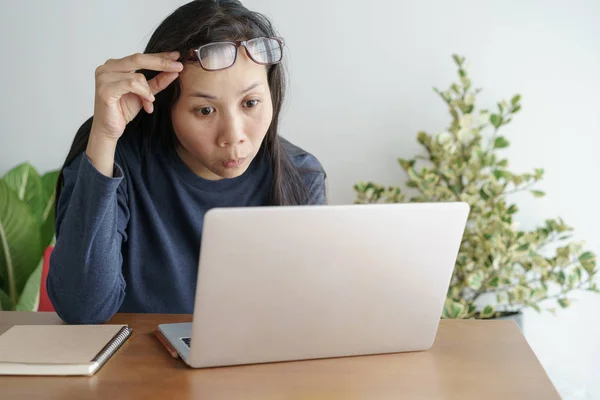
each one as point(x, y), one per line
point(563, 292)
point(545, 243)
point(492, 140)
point(517, 190)
point(511, 286)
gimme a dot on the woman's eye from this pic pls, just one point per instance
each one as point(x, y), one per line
point(205, 110)
point(251, 103)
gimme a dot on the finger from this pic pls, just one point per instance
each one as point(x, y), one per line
point(113, 91)
point(161, 81)
point(154, 62)
point(148, 106)
point(110, 77)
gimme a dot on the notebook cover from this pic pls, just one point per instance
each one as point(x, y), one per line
point(58, 349)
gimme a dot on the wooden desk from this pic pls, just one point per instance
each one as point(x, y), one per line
point(470, 360)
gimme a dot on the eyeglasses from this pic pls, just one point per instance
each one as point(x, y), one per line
point(221, 55)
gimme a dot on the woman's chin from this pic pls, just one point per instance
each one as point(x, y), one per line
point(231, 171)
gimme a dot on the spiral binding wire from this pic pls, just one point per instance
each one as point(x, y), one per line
point(112, 346)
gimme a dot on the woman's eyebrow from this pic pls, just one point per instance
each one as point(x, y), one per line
point(249, 88)
point(200, 94)
point(213, 97)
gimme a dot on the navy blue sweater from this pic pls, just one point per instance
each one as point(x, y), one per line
point(131, 243)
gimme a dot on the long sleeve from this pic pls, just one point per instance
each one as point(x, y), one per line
point(85, 280)
point(317, 189)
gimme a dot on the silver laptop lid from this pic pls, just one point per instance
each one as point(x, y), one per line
point(290, 283)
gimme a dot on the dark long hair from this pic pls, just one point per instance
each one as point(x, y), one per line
point(192, 25)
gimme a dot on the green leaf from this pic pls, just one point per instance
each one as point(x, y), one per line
point(487, 312)
point(458, 60)
point(413, 174)
point(524, 247)
point(535, 307)
point(27, 184)
point(564, 303)
point(20, 250)
point(359, 187)
point(496, 120)
point(503, 163)
point(48, 217)
point(538, 193)
point(453, 309)
point(515, 99)
point(484, 195)
point(539, 293)
point(5, 303)
point(500, 143)
point(521, 293)
point(471, 309)
point(587, 256)
point(475, 280)
point(502, 174)
point(512, 209)
point(454, 114)
point(30, 297)
point(406, 164)
point(466, 82)
point(494, 282)
point(593, 288)
point(589, 266)
point(564, 252)
point(539, 173)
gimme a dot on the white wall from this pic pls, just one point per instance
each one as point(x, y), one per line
point(361, 78)
point(50, 50)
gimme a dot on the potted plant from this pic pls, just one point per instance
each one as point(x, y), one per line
point(26, 229)
point(500, 270)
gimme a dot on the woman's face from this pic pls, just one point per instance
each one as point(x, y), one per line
point(222, 117)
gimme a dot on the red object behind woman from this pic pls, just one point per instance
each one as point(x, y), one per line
point(45, 303)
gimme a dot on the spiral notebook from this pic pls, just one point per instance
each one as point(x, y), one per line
point(59, 349)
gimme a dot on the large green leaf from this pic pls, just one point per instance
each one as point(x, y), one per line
point(20, 249)
point(49, 185)
point(30, 297)
point(27, 184)
point(5, 303)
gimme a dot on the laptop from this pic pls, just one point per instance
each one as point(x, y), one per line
point(308, 282)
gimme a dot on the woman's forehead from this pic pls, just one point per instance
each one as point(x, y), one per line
point(224, 83)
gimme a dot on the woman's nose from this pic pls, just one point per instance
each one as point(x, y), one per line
point(232, 133)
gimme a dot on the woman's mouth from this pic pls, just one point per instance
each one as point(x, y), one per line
point(234, 163)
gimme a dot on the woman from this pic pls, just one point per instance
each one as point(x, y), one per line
point(196, 128)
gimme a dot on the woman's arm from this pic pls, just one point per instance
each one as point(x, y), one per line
point(85, 282)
